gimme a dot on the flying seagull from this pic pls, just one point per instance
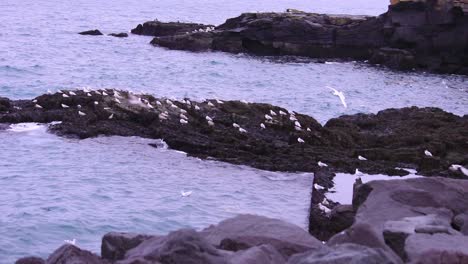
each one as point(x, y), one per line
point(340, 95)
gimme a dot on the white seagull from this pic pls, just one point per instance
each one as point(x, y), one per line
point(210, 104)
point(183, 121)
point(96, 102)
point(318, 187)
point(340, 95)
point(235, 125)
point(197, 107)
point(183, 116)
point(262, 126)
point(88, 94)
point(185, 194)
point(210, 123)
point(361, 158)
point(72, 93)
point(456, 167)
point(117, 100)
point(242, 130)
point(282, 113)
point(111, 116)
point(81, 113)
point(65, 106)
point(34, 101)
point(427, 153)
point(300, 140)
point(65, 95)
point(208, 118)
point(38, 106)
point(321, 164)
point(273, 113)
point(268, 117)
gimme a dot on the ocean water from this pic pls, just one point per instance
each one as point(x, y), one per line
point(55, 188)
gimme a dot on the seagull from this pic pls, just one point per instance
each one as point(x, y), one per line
point(65, 95)
point(208, 118)
point(158, 103)
point(72, 242)
point(296, 123)
point(183, 116)
point(324, 208)
point(187, 102)
point(427, 153)
point(219, 101)
point(183, 121)
point(273, 113)
point(149, 105)
point(72, 93)
point(262, 126)
point(111, 116)
point(49, 91)
point(300, 140)
point(38, 106)
point(59, 91)
point(185, 194)
point(235, 125)
point(104, 93)
point(357, 172)
point(242, 130)
point(34, 101)
point(308, 129)
point(88, 94)
point(297, 128)
point(163, 116)
point(318, 187)
point(210, 104)
point(293, 118)
point(174, 106)
point(456, 167)
point(325, 201)
point(79, 106)
point(361, 158)
point(197, 107)
point(81, 113)
point(65, 106)
point(210, 123)
point(168, 101)
point(96, 102)
point(183, 111)
point(268, 117)
point(282, 113)
point(244, 101)
point(340, 95)
point(321, 164)
point(117, 100)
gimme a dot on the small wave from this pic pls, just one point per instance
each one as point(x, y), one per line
point(25, 127)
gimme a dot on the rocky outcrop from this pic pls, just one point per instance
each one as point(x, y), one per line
point(119, 35)
point(91, 33)
point(419, 34)
point(114, 245)
point(70, 254)
point(158, 29)
point(231, 131)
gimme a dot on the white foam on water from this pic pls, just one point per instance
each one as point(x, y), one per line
point(25, 127)
point(342, 192)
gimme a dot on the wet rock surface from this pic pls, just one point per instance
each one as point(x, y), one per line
point(119, 35)
point(157, 28)
point(409, 35)
point(260, 135)
point(94, 32)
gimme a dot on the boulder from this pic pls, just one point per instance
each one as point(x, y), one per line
point(437, 249)
point(245, 231)
point(115, 245)
point(460, 222)
point(119, 35)
point(159, 29)
point(343, 253)
point(70, 254)
point(263, 254)
point(91, 33)
point(30, 260)
point(182, 246)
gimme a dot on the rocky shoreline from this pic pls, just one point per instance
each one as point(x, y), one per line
point(398, 221)
point(383, 215)
point(430, 35)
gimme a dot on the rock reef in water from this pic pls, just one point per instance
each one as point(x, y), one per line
point(231, 131)
point(119, 35)
point(431, 35)
point(94, 32)
point(396, 221)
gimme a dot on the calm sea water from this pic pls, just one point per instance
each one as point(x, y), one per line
point(55, 188)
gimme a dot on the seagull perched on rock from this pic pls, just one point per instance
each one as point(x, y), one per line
point(72, 93)
point(38, 106)
point(65, 106)
point(81, 113)
point(65, 95)
point(210, 104)
point(268, 117)
point(318, 187)
point(357, 172)
point(183, 111)
point(244, 101)
point(361, 158)
point(197, 107)
point(96, 102)
point(210, 123)
point(340, 95)
point(262, 126)
point(183, 121)
point(117, 100)
point(104, 93)
point(242, 130)
point(185, 194)
point(34, 101)
point(183, 116)
point(300, 140)
point(208, 118)
point(72, 242)
point(88, 94)
point(235, 125)
point(273, 113)
point(427, 153)
point(321, 164)
point(158, 103)
point(111, 116)
point(282, 113)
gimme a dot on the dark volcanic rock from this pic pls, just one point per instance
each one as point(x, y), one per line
point(30, 260)
point(263, 254)
point(389, 139)
point(156, 28)
point(119, 35)
point(69, 254)
point(91, 33)
point(115, 245)
point(409, 35)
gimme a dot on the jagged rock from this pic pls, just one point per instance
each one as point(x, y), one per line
point(156, 28)
point(263, 254)
point(461, 223)
point(115, 245)
point(437, 249)
point(119, 35)
point(343, 253)
point(245, 231)
point(70, 254)
point(410, 34)
point(30, 260)
point(91, 33)
point(182, 246)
